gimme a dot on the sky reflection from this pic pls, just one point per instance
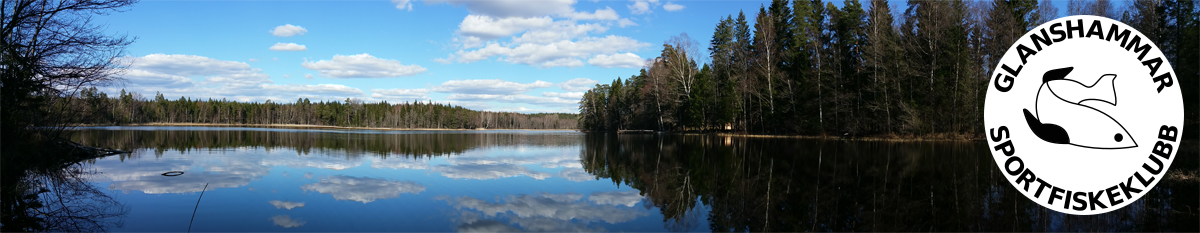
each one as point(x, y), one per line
point(488, 188)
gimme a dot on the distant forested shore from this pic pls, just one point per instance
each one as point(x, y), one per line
point(808, 67)
point(93, 107)
point(290, 126)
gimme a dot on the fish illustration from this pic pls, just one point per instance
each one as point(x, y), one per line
point(1064, 112)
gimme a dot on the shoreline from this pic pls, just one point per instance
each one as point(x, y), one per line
point(301, 126)
point(940, 137)
point(887, 137)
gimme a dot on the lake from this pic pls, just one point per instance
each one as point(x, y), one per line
point(260, 179)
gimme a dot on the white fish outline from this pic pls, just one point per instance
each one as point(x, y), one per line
point(1054, 115)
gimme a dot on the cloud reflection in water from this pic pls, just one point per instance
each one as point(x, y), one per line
point(549, 206)
point(286, 204)
point(287, 221)
point(487, 171)
point(363, 190)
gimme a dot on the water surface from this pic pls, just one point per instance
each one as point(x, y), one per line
point(355, 180)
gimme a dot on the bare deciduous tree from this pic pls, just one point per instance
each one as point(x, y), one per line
point(1046, 11)
point(678, 56)
point(50, 49)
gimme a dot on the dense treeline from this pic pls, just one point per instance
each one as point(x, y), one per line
point(808, 67)
point(95, 107)
point(349, 145)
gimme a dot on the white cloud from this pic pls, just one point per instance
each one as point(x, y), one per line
point(526, 99)
point(525, 8)
point(362, 66)
point(488, 28)
point(560, 30)
point(477, 29)
point(198, 77)
point(601, 14)
point(488, 86)
point(492, 20)
point(625, 23)
point(178, 75)
point(621, 60)
point(568, 95)
point(578, 84)
point(671, 6)
point(466, 42)
point(237, 83)
point(253, 60)
point(562, 62)
point(549, 55)
point(189, 65)
point(286, 204)
point(308, 76)
point(286, 221)
point(288, 47)
point(363, 190)
point(514, 8)
point(288, 30)
point(617, 198)
point(150, 79)
point(537, 39)
point(641, 6)
point(319, 89)
point(403, 4)
point(400, 94)
point(471, 104)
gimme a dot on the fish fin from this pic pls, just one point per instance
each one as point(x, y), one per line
point(1103, 91)
point(1047, 132)
point(1056, 74)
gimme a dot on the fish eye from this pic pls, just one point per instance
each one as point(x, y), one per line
point(1118, 137)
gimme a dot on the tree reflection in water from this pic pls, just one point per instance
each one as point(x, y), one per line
point(349, 143)
point(58, 200)
point(788, 184)
point(732, 183)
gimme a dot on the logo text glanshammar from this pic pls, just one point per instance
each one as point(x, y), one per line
point(1083, 115)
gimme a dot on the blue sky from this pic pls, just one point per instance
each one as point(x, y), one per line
point(511, 55)
point(502, 55)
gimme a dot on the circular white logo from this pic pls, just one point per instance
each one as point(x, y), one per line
point(1083, 115)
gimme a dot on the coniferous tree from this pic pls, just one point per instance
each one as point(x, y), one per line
point(721, 50)
point(815, 68)
point(879, 59)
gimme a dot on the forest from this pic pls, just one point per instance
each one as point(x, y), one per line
point(811, 68)
point(92, 106)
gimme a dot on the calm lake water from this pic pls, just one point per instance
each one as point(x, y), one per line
point(487, 181)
